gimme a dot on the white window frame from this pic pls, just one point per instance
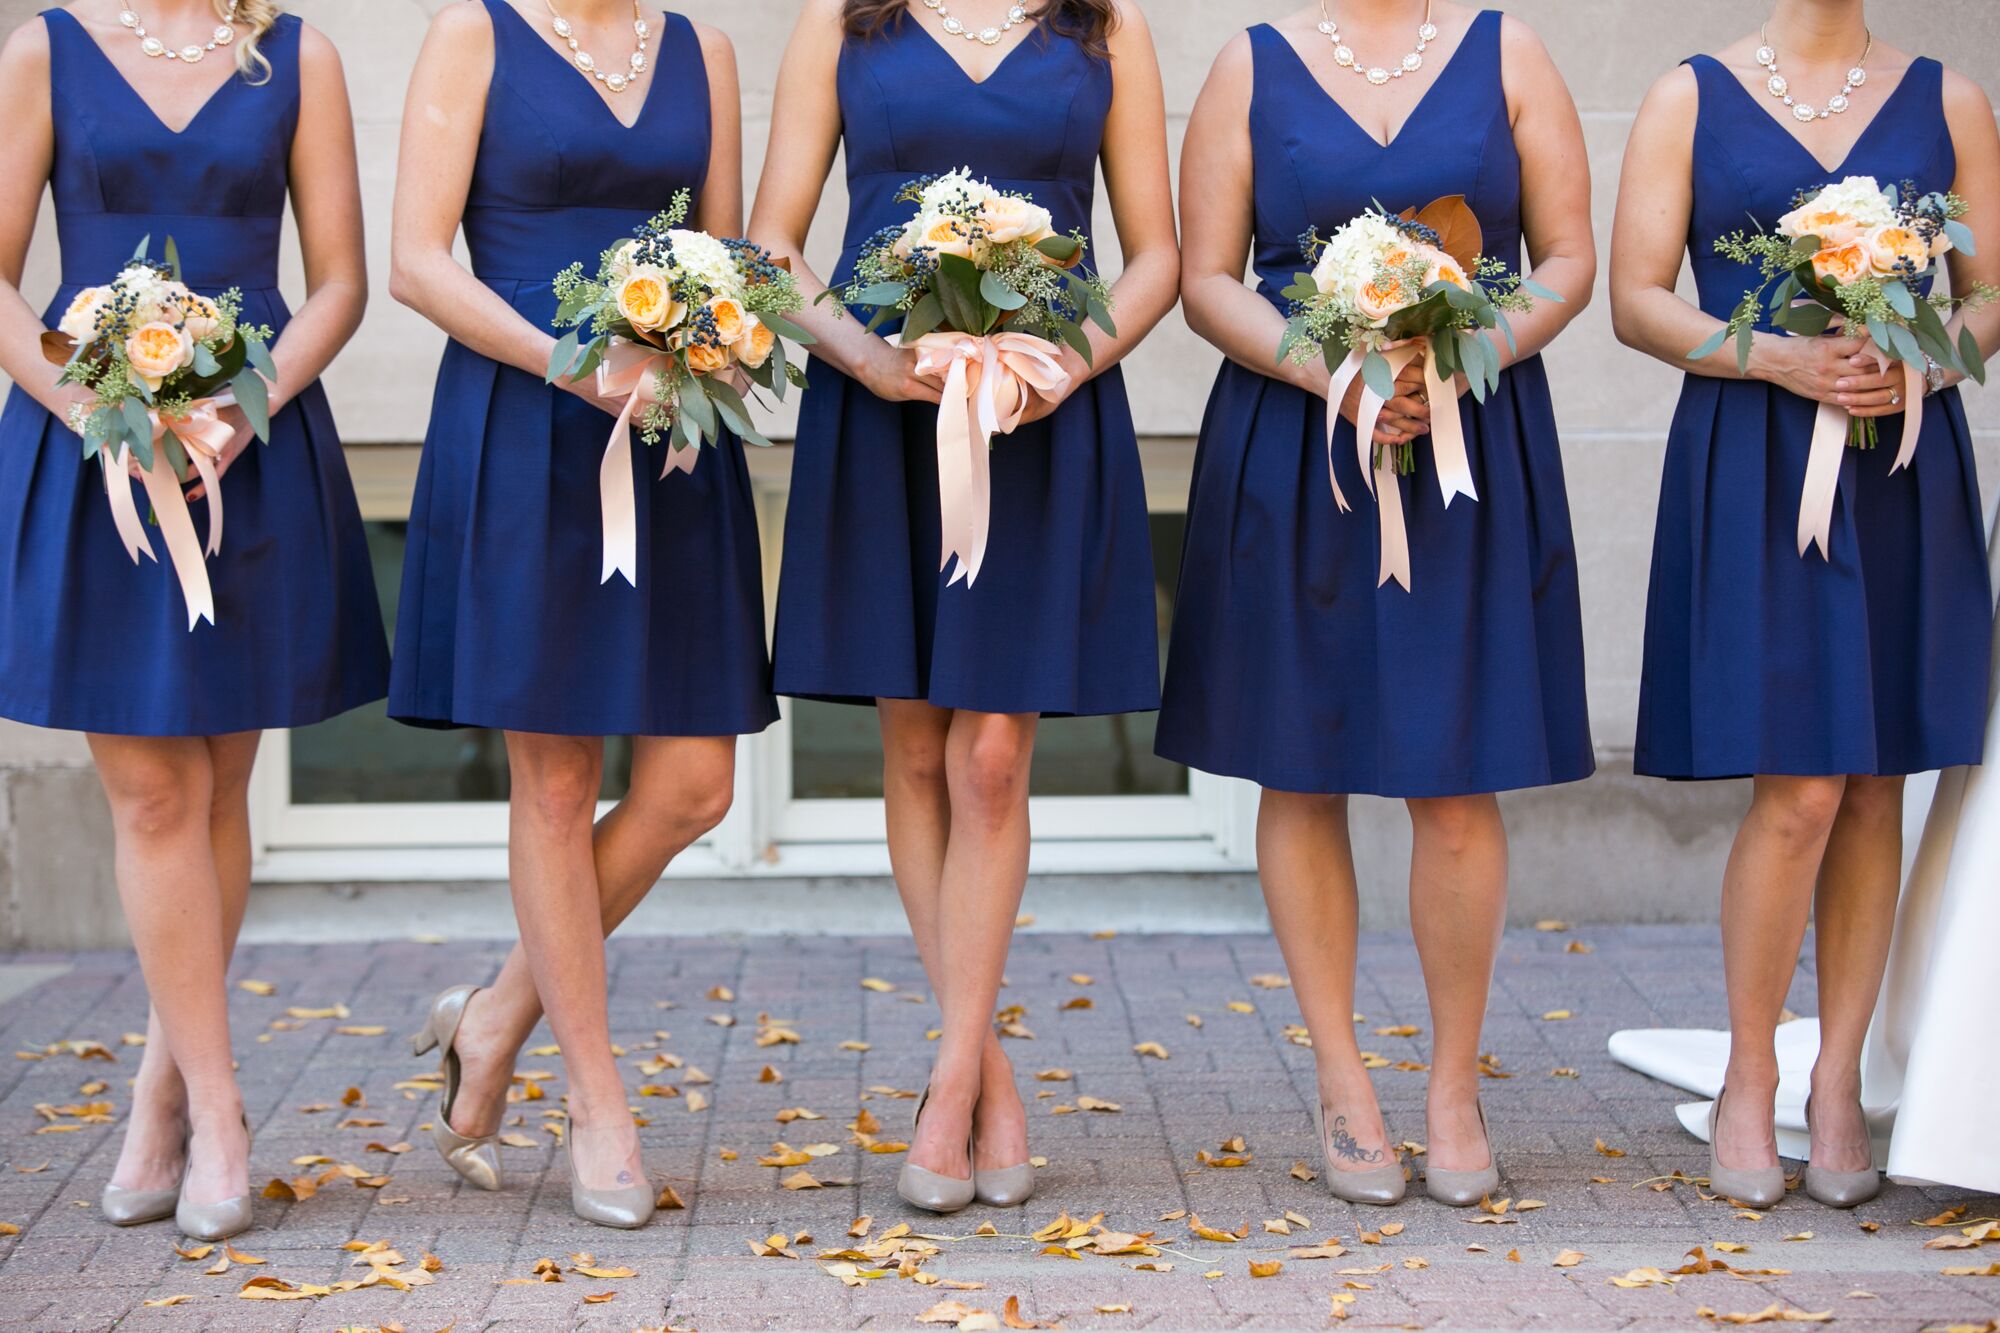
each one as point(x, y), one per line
point(768, 831)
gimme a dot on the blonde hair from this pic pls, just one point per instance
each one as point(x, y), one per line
point(253, 19)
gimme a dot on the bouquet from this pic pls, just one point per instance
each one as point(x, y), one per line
point(1856, 254)
point(160, 362)
point(676, 322)
point(986, 289)
point(1388, 290)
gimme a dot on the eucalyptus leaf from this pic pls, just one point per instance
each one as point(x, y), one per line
point(259, 354)
point(1507, 327)
point(924, 317)
point(784, 328)
point(145, 244)
point(1710, 345)
point(1375, 372)
point(1970, 356)
point(996, 292)
point(204, 361)
point(139, 426)
point(696, 405)
point(882, 293)
point(734, 413)
point(561, 357)
point(1074, 335)
point(255, 400)
point(1745, 337)
point(1960, 236)
point(173, 253)
point(1062, 249)
point(1899, 299)
point(1808, 321)
point(1539, 292)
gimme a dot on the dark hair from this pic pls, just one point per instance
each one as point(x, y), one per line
point(1090, 22)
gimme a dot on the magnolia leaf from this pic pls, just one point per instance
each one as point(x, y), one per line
point(924, 317)
point(1457, 227)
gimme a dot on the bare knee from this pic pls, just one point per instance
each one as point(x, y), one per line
point(1799, 812)
point(1456, 825)
point(914, 757)
point(988, 769)
point(1873, 800)
point(155, 790)
point(556, 780)
point(688, 789)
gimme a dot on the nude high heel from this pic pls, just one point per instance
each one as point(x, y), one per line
point(1760, 1188)
point(474, 1157)
point(1840, 1189)
point(211, 1221)
point(930, 1190)
point(1462, 1189)
point(626, 1207)
point(1381, 1185)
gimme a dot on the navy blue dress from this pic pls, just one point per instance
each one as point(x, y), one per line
point(1759, 660)
point(90, 641)
point(1288, 665)
point(1062, 619)
point(503, 622)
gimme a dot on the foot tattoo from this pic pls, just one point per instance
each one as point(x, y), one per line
point(1348, 1148)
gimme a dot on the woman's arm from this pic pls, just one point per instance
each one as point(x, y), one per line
point(721, 209)
point(1655, 210)
point(1555, 189)
point(805, 132)
point(326, 201)
point(24, 174)
point(1218, 227)
point(1977, 142)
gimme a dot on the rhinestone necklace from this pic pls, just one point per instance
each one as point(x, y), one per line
point(1781, 88)
point(1343, 54)
point(619, 81)
point(1016, 16)
point(192, 53)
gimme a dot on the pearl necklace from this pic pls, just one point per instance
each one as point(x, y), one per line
point(1016, 16)
point(192, 53)
point(1781, 88)
point(1343, 54)
point(586, 62)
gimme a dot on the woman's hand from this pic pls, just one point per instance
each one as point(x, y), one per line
point(1078, 369)
point(1403, 418)
point(1840, 370)
point(240, 438)
point(585, 388)
point(890, 373)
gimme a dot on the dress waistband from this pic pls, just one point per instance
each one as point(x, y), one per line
point(534, 244)
point(216, 252)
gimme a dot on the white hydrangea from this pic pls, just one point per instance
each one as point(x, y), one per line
point(1353, 254)
point(1861, 198)
point(708, 260)
point(952, 187)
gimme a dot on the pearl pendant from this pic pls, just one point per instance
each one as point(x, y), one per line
point(192, 54)
point(128, 18)
point(224, 35)
point(990, 36)
point(1803, 112)
point(153, 46)
point(1412, 63)
point(1856, 77)
point(615, 82)
point(1778, 86)
point(1766, 57)
point(1837, 103)
point(585, 60)
point(1343, 56)
point(954, 27)
point(1378, 76)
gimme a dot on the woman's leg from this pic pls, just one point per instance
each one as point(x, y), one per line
point(1458, 907)
point(161, 792)
point(1306, 865)
point(155, 1140)
point(681, 788)
point(1767, 893)
point(1854, 914)
point(985, 869)
point(918, 807)
point(557, 906)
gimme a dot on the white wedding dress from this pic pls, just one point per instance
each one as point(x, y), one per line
point(1930, 1071)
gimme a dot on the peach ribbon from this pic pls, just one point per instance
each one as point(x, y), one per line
point(204, 435)
point(629, 370)
point(1454, 468)
point(989, 382)
point(1829, 446)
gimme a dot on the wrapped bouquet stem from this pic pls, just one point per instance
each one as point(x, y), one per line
point(988, 293)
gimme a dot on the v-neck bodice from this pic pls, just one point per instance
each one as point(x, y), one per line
point(1749, 169)
point(217, 186)
point(1316, 167)
point(908, 109)
point(558, 176)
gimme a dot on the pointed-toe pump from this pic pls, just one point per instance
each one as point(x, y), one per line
point(1009, 1187)
point(626, 1207)
point(211, 1221)
point(1462, 1189)
point(474, 1157)
point(930, 1190)
point(1380, 1185)
point(1839, 1189)
point(1760, 1187)
point(130, 1208)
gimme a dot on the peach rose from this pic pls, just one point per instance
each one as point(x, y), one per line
point(1379, 300)
point(729, 319)
point(80, 320)
point(1443, 268)
point(648, 304)
point(1833, 226)
point(1842, 263)
point(707, 358)
point(201, 317)
point(758, 340)
point(156, 351)
point(1007, 218)
point(948, 236)
point(1889, 246)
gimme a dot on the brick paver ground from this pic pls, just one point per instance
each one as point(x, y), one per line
point(1235, 1074)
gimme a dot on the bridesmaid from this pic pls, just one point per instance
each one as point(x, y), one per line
point(207, 151)
point(1061, 621)
point(504, 623)
point(1828, 679)
point(1289, 666)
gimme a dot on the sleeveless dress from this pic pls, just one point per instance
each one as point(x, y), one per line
point(503, 622)
point(1759, 660)
point(1062, 619)
point(88, 640)
point(1288, 665)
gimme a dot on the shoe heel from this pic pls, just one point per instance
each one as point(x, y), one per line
point(424, 1041)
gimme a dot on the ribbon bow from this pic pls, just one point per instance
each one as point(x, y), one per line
point(1829, 443)
point(205, 435)
point(989, 382)
point(629, 370)
point(1454, 469)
